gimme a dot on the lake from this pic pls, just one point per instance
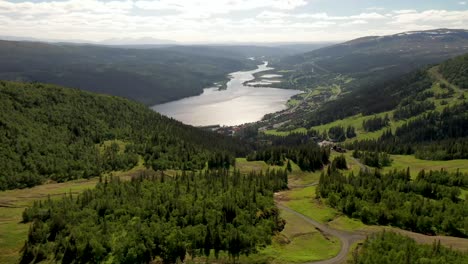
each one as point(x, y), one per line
point(236, 105)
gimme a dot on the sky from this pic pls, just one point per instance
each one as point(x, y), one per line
point(226, 21)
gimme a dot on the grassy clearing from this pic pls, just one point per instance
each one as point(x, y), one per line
point(464, 194)
point(247, 166)
point(275, 132)
point(303, 201)
point(293, 102)
point(299, 242)
point(296, 176)
point(13, 202)
point(401, 162)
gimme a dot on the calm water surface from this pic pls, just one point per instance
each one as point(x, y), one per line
point(236, 105)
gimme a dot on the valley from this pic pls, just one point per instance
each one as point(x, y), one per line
point(362, 146)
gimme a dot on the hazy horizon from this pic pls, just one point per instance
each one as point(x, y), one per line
point(224, 21)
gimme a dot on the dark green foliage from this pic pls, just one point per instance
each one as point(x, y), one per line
point(49, 132)
point(350, 132)
point(428, 205)
point(391, 248)
point(413, 109)
point(340, 163)
point(456, 71)
point(155, 216)
point(221, 161)
point(375, 123)
point(309, 157)
point(337, 133)
point(373, 159)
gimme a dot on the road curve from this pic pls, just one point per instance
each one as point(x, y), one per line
point(346, 238)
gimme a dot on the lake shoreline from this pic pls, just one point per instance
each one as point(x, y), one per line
point(236, 105)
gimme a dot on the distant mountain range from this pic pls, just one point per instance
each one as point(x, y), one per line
point(162, 71)
point(384, 55)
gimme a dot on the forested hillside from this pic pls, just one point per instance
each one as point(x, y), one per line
point(149, 76)
point(376, 57)
point(157, 217)
point(50, 132)
point(456, 71)
point(430, 204)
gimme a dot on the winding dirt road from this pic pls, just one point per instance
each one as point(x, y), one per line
point(347, 238)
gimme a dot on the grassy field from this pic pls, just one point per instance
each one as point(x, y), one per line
point(401, 162)
point(275, 132)
point(305, 202)
point(299, 242)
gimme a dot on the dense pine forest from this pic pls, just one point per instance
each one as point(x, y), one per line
point(50, 132)
point(308, 157)
point(430, 204)
point(391, 248)
point(157, 217)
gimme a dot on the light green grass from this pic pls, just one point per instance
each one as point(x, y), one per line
point(401, 162)
point(299, 242)
point(304, 202)
point(295, 177)
point(345, 223)
point(275, 132)
point(464, 194)
point(293, 102)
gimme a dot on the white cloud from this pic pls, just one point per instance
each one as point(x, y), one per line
point(218, 6)
point(437, 18)
point(358, 22)
point(462, 3)
point(216, 20)
point(404, 11)
point(375, 8)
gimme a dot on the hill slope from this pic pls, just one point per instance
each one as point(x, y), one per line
point(370, 54)
point(50, 132)
point(149, 76)
point(376, 57)
point(423, 113)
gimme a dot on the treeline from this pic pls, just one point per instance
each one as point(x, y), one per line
point(413, 109)
point(50, 132)
point(309, 157)
point(340, 133)
point(424, 205)
point(373, 159)
point(157, 217)
point(392, 248)
point(434, 135)
point(375, 123)
point(456, 71)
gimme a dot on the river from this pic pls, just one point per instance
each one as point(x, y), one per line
point(236, 105)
